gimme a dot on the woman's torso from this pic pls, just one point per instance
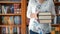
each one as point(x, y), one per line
point(34, 24)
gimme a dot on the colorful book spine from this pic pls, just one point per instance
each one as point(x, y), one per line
point(17, 20)
point(17, 8)
point(0, 9)
point(14, 30)
point(8, 20)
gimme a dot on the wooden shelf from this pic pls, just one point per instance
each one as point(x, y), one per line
point(58, 15)
point(10, 14)
point(55, 25)
point(10, 1)
point(57, 3)
point(10, 25)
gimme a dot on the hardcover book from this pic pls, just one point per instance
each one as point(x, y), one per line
point(17, 8)
point(17, 20)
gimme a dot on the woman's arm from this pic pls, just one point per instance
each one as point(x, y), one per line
point(29, 11)
point(53, 11)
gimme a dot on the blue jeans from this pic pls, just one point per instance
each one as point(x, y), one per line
point(31, 32)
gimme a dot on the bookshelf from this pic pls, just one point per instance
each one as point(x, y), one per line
point(13, 16)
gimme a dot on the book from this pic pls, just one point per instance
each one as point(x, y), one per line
point(17, 9)
point(45, 13)
point(3, 11)
point(18, 32)
point(7, 9)
point(17, 20)
point(15, 0)
point(7, 20)
point(45, 21)
point(14, 30)
point(10, 0)
point(58, 19)
point(45, 17)
point(0, 9)
point(4, 30)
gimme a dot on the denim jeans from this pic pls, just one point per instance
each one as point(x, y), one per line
point(31, 32)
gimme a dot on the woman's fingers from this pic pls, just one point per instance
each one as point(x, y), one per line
point(33, 15)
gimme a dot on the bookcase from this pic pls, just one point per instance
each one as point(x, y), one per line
point(13, 16)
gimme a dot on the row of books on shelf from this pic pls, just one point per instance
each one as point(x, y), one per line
point(57, 0)
point(10, 0)
point(58, 9)
point(7, 20)
point(55, 30)
point(13, 8)
point(11, 30)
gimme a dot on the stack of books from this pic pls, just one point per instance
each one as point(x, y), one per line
point(44, 17)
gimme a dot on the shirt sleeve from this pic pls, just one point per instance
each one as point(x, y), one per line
point(29, 9)
point(53, 11)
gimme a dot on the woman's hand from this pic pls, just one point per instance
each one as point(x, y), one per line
point(34, 15)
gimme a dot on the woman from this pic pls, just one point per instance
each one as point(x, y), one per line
point(34, 7)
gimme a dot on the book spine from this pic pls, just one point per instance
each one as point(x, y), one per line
point(0, 9)
point(3, 10)
point(16, 8)
point(17, 30)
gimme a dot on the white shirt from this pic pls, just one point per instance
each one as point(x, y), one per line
point(46, 6)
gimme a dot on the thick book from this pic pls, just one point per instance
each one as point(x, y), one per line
point(17, 20)
point(45, 13)
point(44, 17)
point(45, 21)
